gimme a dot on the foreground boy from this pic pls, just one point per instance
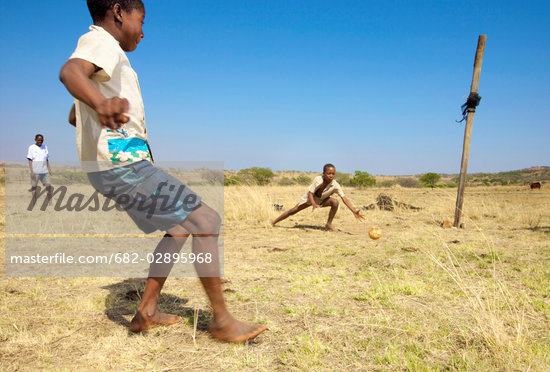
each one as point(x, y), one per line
point(112, 146)
point(318, 196)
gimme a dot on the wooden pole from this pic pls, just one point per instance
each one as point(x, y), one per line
point(468, 130)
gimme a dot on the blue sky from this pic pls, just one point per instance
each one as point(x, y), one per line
point(290, 85)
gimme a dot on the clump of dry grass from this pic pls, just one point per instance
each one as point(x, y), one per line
point(532, 219)
point(257, 204)
point(497, 318)
point(248, 203)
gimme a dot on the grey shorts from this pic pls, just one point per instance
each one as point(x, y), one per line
point(44, 178)
point(154, 199)
point(305, 199)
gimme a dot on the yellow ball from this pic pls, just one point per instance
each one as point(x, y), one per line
point(375, 232)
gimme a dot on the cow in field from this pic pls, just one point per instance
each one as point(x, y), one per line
point(535, 185)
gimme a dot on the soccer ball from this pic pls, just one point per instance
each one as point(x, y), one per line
point(375, 232)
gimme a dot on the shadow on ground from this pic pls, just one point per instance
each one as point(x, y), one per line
point(312, 227)
point(315, 227)
point(543, 229)
point(123, 299)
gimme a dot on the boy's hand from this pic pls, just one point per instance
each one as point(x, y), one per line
point(76, 74)
point(111, 112)
point(358, 215)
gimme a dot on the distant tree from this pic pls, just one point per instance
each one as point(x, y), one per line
point(233, 180)
point(259, 176)
point(285, 181)
point(302, 180)
point(407, 182)
point(342, 178)
point(212, 176)
point(430, 179)
point(387, 183)
point(362, 179)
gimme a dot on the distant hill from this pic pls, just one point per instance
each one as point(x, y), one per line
point(67, 175)
point(515, 177)
point(521, 176)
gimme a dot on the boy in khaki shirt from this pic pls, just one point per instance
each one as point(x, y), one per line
point(112, 145)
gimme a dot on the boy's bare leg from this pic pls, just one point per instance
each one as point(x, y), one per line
point(204, 224)
point(297, 208)
point(224, 327)
point(333, 204)
point(148, 315)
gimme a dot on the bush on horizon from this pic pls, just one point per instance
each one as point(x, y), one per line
point(285, 181)
point(407, 182)
point(387, 183)
point(342, 178)
point(256, 175)
point(430, 179)
point(233, 180)
point(302, 180)
point(362, 179)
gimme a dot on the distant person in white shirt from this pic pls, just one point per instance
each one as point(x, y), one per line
point(318, 196)
point(39, 166)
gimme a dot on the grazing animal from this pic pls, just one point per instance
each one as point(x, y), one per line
point(535, 185)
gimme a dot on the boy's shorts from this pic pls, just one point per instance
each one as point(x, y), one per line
point(40, 177)
point(305, 199)
point(154, 199)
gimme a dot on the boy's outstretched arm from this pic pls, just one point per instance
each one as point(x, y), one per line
point(75, 75)
point(356, 212)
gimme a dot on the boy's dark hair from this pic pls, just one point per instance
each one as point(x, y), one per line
point(328, 165)
point(98, 8)
point(38, 135)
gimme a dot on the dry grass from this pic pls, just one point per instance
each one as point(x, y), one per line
point(420, 298)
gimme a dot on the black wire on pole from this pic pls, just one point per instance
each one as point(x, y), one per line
point(470, 105)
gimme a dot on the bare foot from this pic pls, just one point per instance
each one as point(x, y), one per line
point(232, 330)
point(329, 227)
point(142, 322)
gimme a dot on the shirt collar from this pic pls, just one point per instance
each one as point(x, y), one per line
point(105, 32)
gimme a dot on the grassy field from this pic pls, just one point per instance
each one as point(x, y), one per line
point(421, 298)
